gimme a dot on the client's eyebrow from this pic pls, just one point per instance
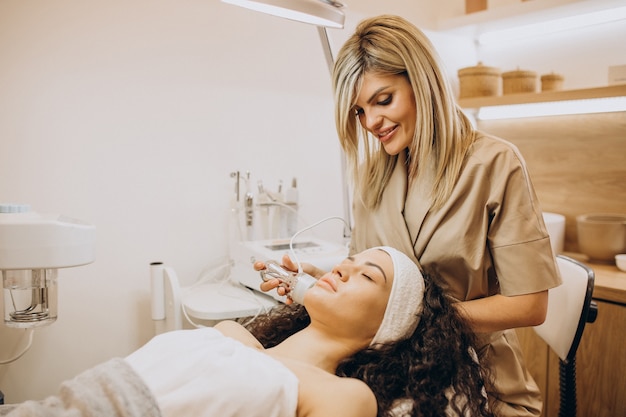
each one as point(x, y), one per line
point(351, 259)
point(378, 267)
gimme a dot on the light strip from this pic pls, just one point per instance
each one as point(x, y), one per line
point(552, 26)
point(325, 13)
point(552, 108)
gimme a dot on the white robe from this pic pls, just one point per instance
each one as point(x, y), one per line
point(111, 389)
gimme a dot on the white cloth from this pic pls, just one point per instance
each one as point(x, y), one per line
point(203, 373)
point(405, 302)
point(111, 389)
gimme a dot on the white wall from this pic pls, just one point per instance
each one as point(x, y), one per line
point(131, 115)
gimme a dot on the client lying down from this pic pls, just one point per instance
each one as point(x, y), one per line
point(371, 331)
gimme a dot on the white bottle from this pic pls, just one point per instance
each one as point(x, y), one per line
point(277, 211)
point(291, 200)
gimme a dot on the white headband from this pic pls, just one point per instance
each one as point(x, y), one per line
point(405, 303)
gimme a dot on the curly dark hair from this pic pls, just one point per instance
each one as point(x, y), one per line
point(433, 373)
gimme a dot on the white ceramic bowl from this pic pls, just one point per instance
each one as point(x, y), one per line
point(601, 236)
point(620, 261)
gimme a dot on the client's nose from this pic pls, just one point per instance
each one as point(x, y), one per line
point(342, 273)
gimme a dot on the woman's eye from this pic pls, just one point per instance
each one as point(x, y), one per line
point(369, 277)
point(385, 101)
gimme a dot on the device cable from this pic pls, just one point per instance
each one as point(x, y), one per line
point(291, 250)
point(26, 348)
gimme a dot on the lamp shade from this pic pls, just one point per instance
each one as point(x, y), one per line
point(325, 13)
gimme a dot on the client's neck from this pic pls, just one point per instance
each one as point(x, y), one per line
point(316, 348)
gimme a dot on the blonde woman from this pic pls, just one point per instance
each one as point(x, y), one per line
point(453, 198)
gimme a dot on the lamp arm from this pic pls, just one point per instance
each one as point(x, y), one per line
point(347, 230)
point(328, 53)
point(330, 61)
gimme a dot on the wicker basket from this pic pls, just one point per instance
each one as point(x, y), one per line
point(551, 82)
point(519, 81)
point(479, 81)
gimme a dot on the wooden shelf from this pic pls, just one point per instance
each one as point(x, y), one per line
point(524, 98)
point(522, 13)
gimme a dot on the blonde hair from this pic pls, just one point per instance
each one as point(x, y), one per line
point(390, 45)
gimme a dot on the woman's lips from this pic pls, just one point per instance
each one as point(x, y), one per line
point(328, 282)
point(386, 135)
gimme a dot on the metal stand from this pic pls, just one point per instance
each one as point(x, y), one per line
point(330, 61)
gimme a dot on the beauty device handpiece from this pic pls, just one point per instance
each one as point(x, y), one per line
point(296, 283)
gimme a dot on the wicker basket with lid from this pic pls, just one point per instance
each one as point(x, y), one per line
point(519, 81)
point(551, 82)
point(479, 81)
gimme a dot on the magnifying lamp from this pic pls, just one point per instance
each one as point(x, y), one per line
point(324, 14)
point(32, 248)
point(321, 13)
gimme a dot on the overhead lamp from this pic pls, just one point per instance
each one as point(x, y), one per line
point(553, 108)
point(323, 14)
point(533, 30)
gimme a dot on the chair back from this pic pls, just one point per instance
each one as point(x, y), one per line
point(568, 308)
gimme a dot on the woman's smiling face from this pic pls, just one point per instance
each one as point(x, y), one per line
point(386, 107)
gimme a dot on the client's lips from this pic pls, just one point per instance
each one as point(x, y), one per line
point(328, 282)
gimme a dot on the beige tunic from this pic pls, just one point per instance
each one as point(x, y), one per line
point(488, 238)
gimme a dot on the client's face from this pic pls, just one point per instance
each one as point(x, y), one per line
point(352, 298)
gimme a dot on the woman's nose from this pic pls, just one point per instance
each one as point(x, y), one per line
point(373, 120)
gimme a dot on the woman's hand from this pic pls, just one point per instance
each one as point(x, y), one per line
point(288, 264)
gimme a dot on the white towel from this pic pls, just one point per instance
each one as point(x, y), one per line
point(405, 302)
point(203, 373)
